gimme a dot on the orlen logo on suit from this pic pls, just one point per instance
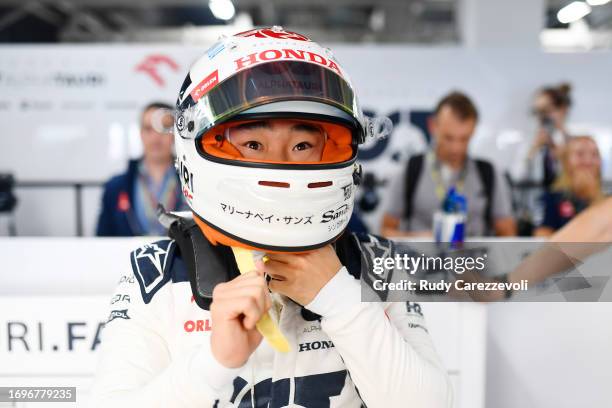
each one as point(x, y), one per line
point(197, 325)
point(285, 54)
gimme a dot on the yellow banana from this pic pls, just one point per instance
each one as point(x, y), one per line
point(266, 326)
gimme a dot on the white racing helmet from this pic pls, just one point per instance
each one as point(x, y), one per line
point(258, 75)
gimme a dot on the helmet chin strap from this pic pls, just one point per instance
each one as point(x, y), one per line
point(245, 259)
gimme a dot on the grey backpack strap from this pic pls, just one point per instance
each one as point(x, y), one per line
point(486, 171)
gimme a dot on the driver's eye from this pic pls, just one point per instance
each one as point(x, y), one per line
point(302, 146)
point(253, 145)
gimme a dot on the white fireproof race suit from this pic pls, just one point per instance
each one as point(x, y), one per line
point(155, 349)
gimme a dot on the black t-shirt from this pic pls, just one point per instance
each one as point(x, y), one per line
point(560, 208)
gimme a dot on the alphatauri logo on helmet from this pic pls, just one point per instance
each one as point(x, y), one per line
point(332, 215)
point(285, 54)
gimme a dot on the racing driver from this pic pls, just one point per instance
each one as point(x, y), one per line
point(267, 127)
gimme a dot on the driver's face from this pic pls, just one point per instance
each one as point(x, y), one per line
point(279, 140)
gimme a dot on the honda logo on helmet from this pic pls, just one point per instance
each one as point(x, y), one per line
point(285, 54)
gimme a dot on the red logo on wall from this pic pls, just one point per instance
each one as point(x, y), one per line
point(205, 85)
point(151, 65)
point(278, 34)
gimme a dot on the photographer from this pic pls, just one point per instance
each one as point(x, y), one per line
point(540, 161)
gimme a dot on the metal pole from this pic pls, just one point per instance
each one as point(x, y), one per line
point(79, 208)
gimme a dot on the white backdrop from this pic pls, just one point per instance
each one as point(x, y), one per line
point(71, 112)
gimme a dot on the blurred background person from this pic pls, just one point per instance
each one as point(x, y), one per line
point(417, 196)
point(577, 187)
point(356, 223)
point(540, 159)
point(130, 199)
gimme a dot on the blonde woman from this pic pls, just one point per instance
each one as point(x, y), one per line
point(577, 187)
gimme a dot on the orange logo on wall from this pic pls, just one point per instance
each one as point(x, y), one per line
point(151, 65)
